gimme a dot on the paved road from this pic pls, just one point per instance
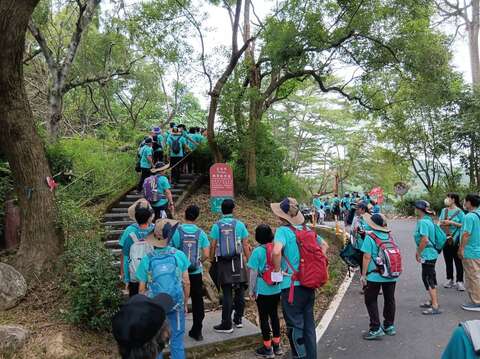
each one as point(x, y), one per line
point(418, 337)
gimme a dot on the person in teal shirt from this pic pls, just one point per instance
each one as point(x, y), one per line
point(141, 212)
point(460, 345)
point(176, 317)
point(426, 254)
point(469, 251)
point(176, 139)
point(372, 281)
point(451, 221)
point(165, 203)
point(231, 272)
point(195, 274)
point(267, 296)
point(146, 162)
point(299, 313)
point(318, 206)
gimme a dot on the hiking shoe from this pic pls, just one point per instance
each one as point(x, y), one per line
point(238, 324)
point(390, 330)
point(448, 284)
point(264, 352)
point(471, 307)
point(222, 328)
point(460, 286)
point(277, 349)
point(374, 334)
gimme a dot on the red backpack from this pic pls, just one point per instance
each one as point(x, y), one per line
point(389, 260)
point(313, 268)
point(267, 273)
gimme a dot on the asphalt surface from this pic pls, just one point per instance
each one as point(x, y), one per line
point(418, 336)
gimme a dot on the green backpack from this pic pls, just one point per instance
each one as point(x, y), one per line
point(440, 238)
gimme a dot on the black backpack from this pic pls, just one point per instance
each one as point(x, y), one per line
point(176, 148)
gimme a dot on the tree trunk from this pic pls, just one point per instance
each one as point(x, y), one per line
point(473, 28)
point(55, 102)
point(212, 143)
point(40, 237)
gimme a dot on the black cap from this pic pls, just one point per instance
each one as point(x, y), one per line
point(140, 319)
point(362, 205)
point(423, 206)
point(148, 140)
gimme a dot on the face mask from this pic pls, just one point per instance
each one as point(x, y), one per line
point(447, 201)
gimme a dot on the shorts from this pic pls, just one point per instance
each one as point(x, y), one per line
point(429, 276)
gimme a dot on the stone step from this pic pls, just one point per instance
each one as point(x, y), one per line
point(125, 203)
point(112, 244)
point(118, 223)
point(116, 215)
point(119, 210)
point(114, 232)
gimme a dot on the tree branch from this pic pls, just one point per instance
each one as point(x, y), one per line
point(47, 53)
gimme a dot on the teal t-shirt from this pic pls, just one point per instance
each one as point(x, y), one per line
point(191, 141)
point(471, 225)
point(183, 263)
point(459, 346)
point(203, 241)
point(258, 262)
point(182, 141)
point(162, 186)
point(376, 209)
point(358, 226)
point(145, 152)
point(287, 238)
point(126, 242)
point(317, 203)
point(425, 228)
point(346, 203)
point(458, 216)
point(369, 246)
point(199, 138)
point(160, 141)
point(241, 231)
point(327, 205)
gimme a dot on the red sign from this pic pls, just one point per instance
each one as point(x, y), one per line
point(377, 194)
point(221, 180)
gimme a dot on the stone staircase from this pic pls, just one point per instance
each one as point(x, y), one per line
point(116, 219)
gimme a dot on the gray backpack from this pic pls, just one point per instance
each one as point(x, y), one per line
point(227, 245)
point(138, 250)
point(189, 246)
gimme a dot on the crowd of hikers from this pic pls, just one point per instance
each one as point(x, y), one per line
point(164, 259)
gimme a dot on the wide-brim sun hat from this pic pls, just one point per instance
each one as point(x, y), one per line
point(374, 220)
point(160, 167)
point(423, 206)
point(142, 202)
point(153, 238)
point(288, 210)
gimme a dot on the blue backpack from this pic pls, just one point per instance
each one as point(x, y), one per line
point(189, 246)
point(163, 276)
point(440, 238)
point(227, 246)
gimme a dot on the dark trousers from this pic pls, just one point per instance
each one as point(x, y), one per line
point(450, 253)
point(158, 212)
point(198, 308)
point(233, 295)
point(144, 174)
point(177, 170)
point(133, 288)
point(371, 301)
point(157, 156)
point(268, 312)
point(300, 322)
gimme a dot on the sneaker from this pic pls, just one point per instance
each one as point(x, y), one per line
point(238, 324)
point(390, 330)
point(196, 337)
point(373, 335)
point(264, 352)
point(448, 284)
point(460, 286)
point(277, 349)
point(222, 328)
point(471, 307)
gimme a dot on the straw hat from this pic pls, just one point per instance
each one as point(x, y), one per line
point(375, 222)
point(142, 202)
point(160, 167)
point(157, 238)
point(288, 210)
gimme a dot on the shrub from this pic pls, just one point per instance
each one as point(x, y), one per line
point(90, 284)
point(275, 188)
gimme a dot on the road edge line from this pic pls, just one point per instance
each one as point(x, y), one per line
point(333, 307)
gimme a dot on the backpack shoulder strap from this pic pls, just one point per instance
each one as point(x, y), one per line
point(377, 240)
point(134, 237)
point(453, 215)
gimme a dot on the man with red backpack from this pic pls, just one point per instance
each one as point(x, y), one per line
point(382, 266)
point(299, 253)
